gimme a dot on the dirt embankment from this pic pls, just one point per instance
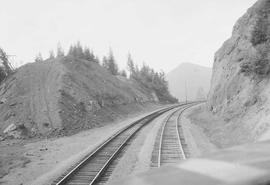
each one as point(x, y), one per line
point(39, 161)
point(216, 130)
point(64, 96)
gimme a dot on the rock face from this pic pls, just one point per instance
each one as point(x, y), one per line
point(240, 87)
point(66, 94)
point(195, 77)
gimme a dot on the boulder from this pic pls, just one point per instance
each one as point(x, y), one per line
point(2, 138)
point(10, 128)
point(3, 100)
point(13, 131)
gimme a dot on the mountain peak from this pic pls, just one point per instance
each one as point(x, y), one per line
point(189, 64)
point(195, 76)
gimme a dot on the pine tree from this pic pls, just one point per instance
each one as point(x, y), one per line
point(131, 66)
point(110, 64)
point(96, 60)
point(88, 55)
point(52, 55)
point(60, 51)
point(79, 51)
point(71, 51)
point(8, 69)
point(39, 58)
point(85, 53)
point(105, 63)
point(123, 73)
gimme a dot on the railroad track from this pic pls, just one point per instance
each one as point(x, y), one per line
point(170, 146)
point(97, 167)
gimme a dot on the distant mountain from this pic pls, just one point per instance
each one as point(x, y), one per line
point(196, 78)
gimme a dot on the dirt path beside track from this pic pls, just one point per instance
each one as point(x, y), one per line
point(41, 161)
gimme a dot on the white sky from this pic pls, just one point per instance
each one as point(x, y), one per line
point(163, 33)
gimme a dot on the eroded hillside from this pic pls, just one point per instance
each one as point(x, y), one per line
point(65, 95)
point(240, 88)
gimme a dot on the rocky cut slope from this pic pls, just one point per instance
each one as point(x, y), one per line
point(240, 87)
point(65, 94)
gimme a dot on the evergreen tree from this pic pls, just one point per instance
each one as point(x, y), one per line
point(3, 74)
point(110, 64)
point(96, 60)
point(131, 66)
point(79, 51)
point(60, 51)
point(7, 67)
point(123, 73)
point(105, 63)
point(85, 53)
point(39, 58)
point(52, 55)
point(88, 55)
point(150, 79)
point(71, 51)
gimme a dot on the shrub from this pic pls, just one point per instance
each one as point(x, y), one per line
point(258, 37)
point(259, 68)
point(258, 65)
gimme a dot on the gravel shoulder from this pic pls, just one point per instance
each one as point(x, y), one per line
point(42, 161)
point(219, 132)
point(198, 142)
point(137, 158)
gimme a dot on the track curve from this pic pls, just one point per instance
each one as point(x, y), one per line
point(170, 146)
point(91, 170)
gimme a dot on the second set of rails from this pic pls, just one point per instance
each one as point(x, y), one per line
point(97, 167)
point(170, 146)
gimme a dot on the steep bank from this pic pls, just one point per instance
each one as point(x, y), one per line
point(65, 95)
point(240, 87)
point(40, 161)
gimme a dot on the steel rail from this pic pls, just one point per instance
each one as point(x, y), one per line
point(141, 122)
point(178, 134)
point(162, 133)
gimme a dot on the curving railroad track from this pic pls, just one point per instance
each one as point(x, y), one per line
point(97, 166)
point(170, 146)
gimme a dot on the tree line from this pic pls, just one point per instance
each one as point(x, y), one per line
point(78, 51)
point(144, 75)
point(150, 79)
point(6, 68)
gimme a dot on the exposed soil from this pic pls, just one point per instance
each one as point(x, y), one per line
point(195, 136)
point(39, 161)
point(11, 156)
point(42, 161)
point(64, 96)
point(137, 158)
point(219, 132)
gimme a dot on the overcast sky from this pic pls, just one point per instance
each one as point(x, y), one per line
point(163, 33)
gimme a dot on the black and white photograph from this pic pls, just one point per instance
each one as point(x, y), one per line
point(134, 92)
